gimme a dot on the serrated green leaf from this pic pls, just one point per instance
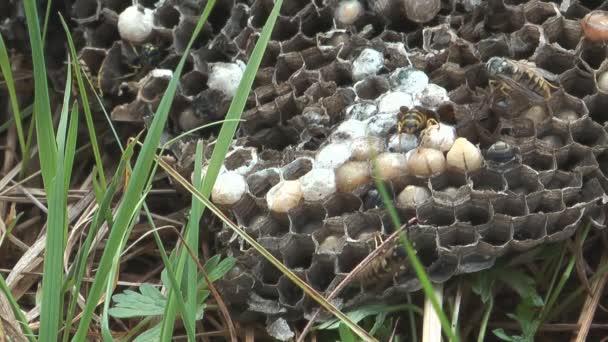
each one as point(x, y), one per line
point(523, 284)
point(482, 285)
point(148, 302)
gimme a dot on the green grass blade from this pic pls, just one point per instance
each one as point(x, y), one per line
point(192, 235)
point(104, 210)
point(42, 106)
point(27, 331)
point(414, 261)
point(70, 150)
point(227, 133)
point(24, 114)
point(63, 119)
point(5, 67)
point(135, 186)
point(82, 90)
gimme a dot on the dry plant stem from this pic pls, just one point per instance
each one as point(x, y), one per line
point(352, 274)
point(591, 303)
point(431, 326)
point(553, 327)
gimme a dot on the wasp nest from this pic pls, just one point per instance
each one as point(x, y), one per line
point(485, 119)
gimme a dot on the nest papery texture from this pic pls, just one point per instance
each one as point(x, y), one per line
point(323, 83)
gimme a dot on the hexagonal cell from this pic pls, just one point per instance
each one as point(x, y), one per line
point(373, 199)
point(270, 226)
point(530, 227)
point(329, 244)
point(341, 203)
point(372, 87)
point(597, 105)
point(321, 273)
point(351, 256)
point(588, 133)
point(475, 212)
point(545, 202)
point(516, 132)
point(577, 82)
point(495, 46)
point(554, 59)
point(306, 218)
point(556, 180)
point(487, 180)
point(450, 188)
point(289, 293)
point(539, 160)
point(552, 134)
point(593, 53)
point(268, 273)
point(510, 205)
point(565, 107)
point(299, 42)
point(522, 180)
point(297, 251)
point(590, 191)
point(260, 182)
point(499, 233)
point(436, 215)
point(525, 41)
point(567, 33)
point(297, 168)
point(361, 226)
point(537, 12)
point(558, 221)
point(575, 157)
point(459, 235)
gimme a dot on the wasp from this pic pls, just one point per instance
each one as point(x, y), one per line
point(413, 120)
point(386, 264)
point(509, 75)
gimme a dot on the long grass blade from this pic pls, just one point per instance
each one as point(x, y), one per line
point(27, 331)
point(135, 186)
point(82, 90)
point(5, 67)
point(266, 254)
point(42, 107)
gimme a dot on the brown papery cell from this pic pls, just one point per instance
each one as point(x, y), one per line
point(595, 26)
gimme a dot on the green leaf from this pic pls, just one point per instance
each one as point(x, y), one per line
point(501, 334)
point(523, 284)
point(148, 302)
point(346, 335)
point(369, 310)
point(150, 335)
point(482, 285)
point(7, 72)
point(217, 270)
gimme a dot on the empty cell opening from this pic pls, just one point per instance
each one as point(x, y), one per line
point(538, 161)
point(303, 81)
point(530, 229)
point(443, 269)
point(588, 133)
point(270, 226)
point(270, 55)
point(435, 215)
point(473, 213)
point(361, 225)
point(321, 274)
point(591, 190)
point(426, 248)
point(598, 108)
point(546, 202)
point(298, 252)
point(498, 234)
point(291, 7)
point(460, 236)
point(269, 273)
point(555, 61)
point(85, 8)
point(298, 43)
point(371, 87)
point(593, 54)
point(313, 22)
point(489, 48)
point(297, 168)
point(559, 180)
point(517, 129)
point(557, 223)
point(448, 180)
point(193, 83)
point(338, 73)
point(351, 256)
point(509, 205)
point(260, 182)
point(522, 181)
point(238, 158)
point(486, 180)
point(341, 203)
point(591, 4)
point(578, 83)
point(289, 293)
point(539, 12)
point(524, 42)
point(307, 218)
point(286, 65)
point(602, 160)
point(572, 157)
point(566, 33)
